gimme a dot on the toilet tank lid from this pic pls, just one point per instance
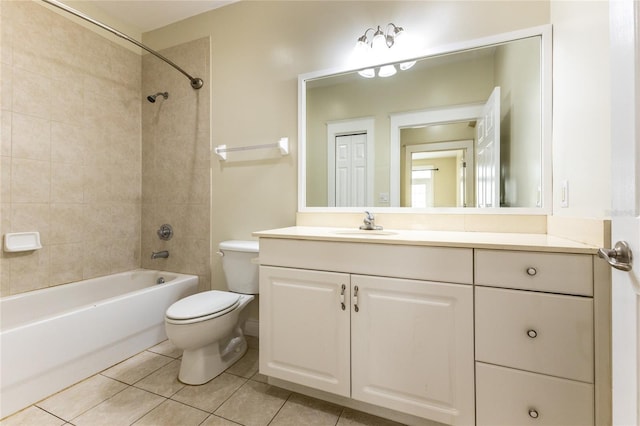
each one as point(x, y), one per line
point(237, 245)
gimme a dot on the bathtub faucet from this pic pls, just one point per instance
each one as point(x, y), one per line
point(160, 254)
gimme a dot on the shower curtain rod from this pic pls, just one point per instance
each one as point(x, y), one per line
point(196, 82)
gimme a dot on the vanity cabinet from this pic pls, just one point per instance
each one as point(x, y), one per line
point(534, 331)
point(403, 344)
point(465, 332)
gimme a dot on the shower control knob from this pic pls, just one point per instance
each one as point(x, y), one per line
point(165, 232)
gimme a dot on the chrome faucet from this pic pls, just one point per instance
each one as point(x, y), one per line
point(370, 222)
point(159, 254)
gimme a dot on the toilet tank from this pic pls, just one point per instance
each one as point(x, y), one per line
point(240, 265)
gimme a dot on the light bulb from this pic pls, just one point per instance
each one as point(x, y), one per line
point(406, 65)
point(387, 71)
point(367, 73)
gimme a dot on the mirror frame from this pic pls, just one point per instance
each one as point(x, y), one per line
point(545, 34)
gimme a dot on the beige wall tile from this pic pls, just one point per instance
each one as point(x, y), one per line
point(29, 270)
point(72, 147)
point(96, 259)
point(5, 176)
point(67, 183)
point(30, 181)
point(65, 267)
point(67, 223)
point(31, 94)
point(6, 87)
point(31, 217)
point(67, 98)
point(5, 132)
point(68, 143)
point(30, 137)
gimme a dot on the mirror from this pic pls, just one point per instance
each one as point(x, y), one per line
point(466, 127)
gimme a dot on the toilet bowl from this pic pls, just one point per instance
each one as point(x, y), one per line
point(208, 326)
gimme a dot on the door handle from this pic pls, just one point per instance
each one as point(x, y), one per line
point(620, 256)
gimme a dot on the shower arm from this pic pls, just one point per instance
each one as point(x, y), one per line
point(196, 82)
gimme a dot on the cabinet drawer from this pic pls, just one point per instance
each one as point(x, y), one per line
point(444, 264)
point(510, 397)
point(552, 272)
point(544, 333)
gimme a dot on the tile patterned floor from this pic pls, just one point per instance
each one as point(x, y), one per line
point(144, 390)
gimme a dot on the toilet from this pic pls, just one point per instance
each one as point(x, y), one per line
point(208, 326)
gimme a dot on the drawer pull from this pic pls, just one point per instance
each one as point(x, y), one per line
point(532, 333)
point(355, 299)
point(533, 413)
point(531, 271)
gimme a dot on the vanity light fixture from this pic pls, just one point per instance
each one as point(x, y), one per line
point(375, 44)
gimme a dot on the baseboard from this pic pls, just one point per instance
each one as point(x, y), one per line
point(252, 327)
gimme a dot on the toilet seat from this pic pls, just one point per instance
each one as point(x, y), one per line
point(202, 307)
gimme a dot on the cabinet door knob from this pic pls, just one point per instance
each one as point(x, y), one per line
point(532, 333)
point(533, 413)
point(531, 271)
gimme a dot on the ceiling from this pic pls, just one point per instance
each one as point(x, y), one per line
point(147, 15)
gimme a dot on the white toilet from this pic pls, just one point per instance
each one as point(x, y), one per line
point(207, 326)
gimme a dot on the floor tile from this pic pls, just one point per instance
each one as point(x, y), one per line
point(211, 395)
point(121, 410)
point(32, 416)
point(163, 381)
point(137, 367)
point(254, 404)
point(77, 399)
point(252, 342)
point(214, 420)
point(246, 366)
point(172, 413)
point(303, 410)
point(166, 348)
point(358, 418)
point(260, 378)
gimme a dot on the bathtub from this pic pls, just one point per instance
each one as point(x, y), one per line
point(55, 337)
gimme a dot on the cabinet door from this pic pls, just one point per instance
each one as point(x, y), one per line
point(304, 332)
point(412, 347)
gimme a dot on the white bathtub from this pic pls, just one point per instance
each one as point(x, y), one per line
point(55, 337)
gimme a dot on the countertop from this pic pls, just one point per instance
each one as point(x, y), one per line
point(485, 240)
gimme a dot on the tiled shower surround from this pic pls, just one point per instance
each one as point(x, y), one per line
point(81, 159)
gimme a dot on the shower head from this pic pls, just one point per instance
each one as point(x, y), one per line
point(152, 98)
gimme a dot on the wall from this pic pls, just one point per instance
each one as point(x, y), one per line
point(581, 108)
point(70, 149)
point(176, 181)
point(259, 48)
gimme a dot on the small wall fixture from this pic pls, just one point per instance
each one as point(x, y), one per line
point(375, 46)
point(282, 145)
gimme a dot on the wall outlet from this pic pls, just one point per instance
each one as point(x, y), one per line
point(564, 200)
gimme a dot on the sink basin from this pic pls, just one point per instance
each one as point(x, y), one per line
point(360, 232)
